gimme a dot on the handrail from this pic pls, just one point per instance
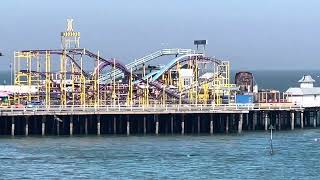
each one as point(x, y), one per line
point(172, 108)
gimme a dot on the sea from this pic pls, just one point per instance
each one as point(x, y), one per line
point(296, 154)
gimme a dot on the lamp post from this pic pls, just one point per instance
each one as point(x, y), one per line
point(11, 73)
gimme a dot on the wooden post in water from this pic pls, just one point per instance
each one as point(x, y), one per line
point(12, 126)
point(240, 123)
point(211, 123)
point(292, 120)
point(301, 120)
point(98, 125)
point(43, 125)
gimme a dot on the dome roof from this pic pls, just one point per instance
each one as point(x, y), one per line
point(306, 79)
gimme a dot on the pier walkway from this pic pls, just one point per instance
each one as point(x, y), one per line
point(155, 109)
point(157, 119)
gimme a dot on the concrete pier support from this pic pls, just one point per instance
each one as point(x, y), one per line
point(211, 124)
point(86, 125)
point(199, 128)
point(227, 124)
point(58, 127)
point(27, 126)
point(277, 119)
point(128, 126)
point(314, 119)
point(144, 125)
point(182, 124)
point(71, 126)
point(240, 123)
point(166, 127)
point(98, 125)
point(12, 126)
point(254, 120)
point(43, 125)
point(247, 121)
point(301, 120)
point(266, 121)
point(220, 123)
point(292, 121)
point(114, 125)
point(280, 120)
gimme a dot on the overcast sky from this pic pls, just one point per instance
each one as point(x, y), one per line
point(252, 34)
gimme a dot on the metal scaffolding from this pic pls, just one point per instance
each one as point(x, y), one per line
point(83, 78)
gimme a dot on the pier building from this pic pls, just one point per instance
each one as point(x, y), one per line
point(306, 95)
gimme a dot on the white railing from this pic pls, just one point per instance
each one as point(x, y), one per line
point(156, 108)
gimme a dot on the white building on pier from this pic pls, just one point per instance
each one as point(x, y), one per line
point(306, 95)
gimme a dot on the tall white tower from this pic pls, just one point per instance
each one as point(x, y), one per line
point(70, 39)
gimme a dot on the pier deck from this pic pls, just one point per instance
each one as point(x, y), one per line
point(157, 119)
point(156, 109)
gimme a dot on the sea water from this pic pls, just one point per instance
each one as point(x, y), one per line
point(247, 156)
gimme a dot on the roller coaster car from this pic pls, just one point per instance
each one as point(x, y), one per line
point(19, 106)
point(34, 104)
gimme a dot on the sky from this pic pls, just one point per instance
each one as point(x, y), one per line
point(251, 34)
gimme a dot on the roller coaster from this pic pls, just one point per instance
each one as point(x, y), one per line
point(77, 76)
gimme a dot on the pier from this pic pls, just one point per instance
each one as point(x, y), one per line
point(158, 121)
point(86, 93)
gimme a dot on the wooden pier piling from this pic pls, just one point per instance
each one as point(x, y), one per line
point(12, 126)
point(98, 125)
point(128, 125)
point(71, 126)
point(211, 124)
point(26, 125)
point(240, 123)
point(182, 125)
point(302, 119)
point(292, 120)
point(157, 123)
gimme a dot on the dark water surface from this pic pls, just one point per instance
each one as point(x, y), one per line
point(297, 155)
